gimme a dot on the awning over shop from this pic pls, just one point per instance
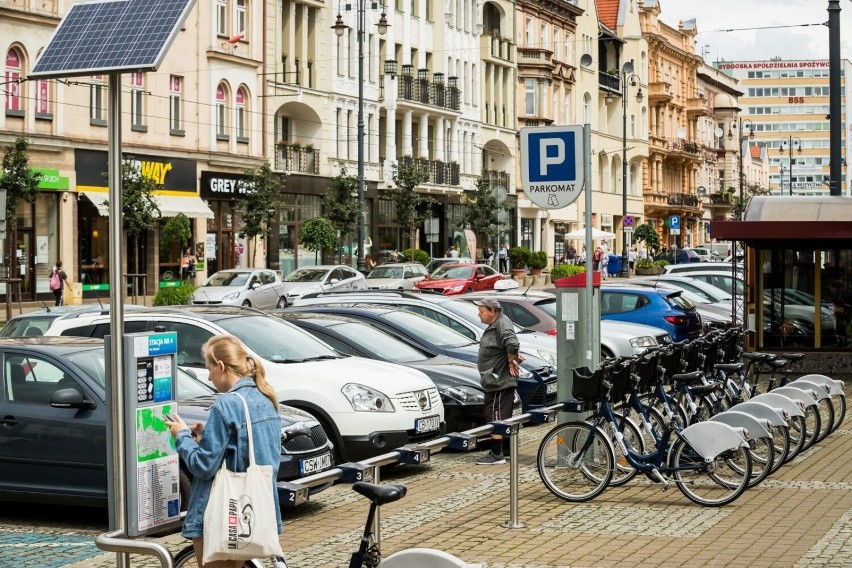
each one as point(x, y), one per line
point(170, 205)
point(191, 206)
point(786, 218)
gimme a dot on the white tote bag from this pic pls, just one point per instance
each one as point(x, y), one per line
point(240, 521)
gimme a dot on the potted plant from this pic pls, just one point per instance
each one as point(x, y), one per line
point(646, 266)
point(518, 259)
point(537, 261)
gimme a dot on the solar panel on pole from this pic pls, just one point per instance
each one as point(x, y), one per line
point(115, 36)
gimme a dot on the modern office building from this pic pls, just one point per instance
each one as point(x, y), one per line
point(788, 101)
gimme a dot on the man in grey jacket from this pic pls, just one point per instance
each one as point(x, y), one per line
point(499, 365)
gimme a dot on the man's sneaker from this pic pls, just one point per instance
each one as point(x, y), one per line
point(491, 459)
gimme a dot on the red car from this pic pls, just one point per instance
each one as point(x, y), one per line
point(452, 279)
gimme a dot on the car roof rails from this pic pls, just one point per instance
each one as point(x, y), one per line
point(395, 293)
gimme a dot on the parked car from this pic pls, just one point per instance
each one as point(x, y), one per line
point(700, 267)
point(457, 381)
point(399, 276)
point(665, 309)
point(259, 288)
point(536, 383)
point(684, 281)
point(713, 315)
point(366, 407)
point(679, 256)
point(56, 453)
point(723, 280)
point(460, 278)
point(322, 278)
point(436, 263)
point(539, 309)
point(707, 255)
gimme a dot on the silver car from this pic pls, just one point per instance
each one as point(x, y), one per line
point(257, 288)
point(322, 278)
point(396, 276)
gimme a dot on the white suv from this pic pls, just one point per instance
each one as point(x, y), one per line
point(367, 407)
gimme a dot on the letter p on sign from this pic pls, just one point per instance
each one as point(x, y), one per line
point(551, 152)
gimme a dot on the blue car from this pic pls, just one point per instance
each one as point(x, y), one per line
point(665, 309)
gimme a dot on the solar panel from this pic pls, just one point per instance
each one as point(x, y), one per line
point(112, 36)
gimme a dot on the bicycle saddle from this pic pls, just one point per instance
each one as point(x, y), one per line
point(380, 494)
point(756, 356)
point(692, 377)
point(777, 363)
point(729, 367)
point(793, 356)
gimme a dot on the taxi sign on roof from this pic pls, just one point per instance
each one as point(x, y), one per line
point(552, 165)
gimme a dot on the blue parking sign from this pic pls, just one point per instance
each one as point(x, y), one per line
point(674, 222)
point(552, 164)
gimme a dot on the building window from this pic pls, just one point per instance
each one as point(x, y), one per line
point(240, 18)
point(97, 102)
point(221, 17)
point(528, 39)
point(42, 98)
point(137, 93)
point(14, 105)
point(529, 97)
point(176, 104)
point(221, 113)
point(241, 102)
point(569, 48)
point(527, 233)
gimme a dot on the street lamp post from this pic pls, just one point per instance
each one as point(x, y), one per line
point(789, 141)
point(340, 28)
point(627, 74)
point(738, 124)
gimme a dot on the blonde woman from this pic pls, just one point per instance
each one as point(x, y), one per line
point(203, 447)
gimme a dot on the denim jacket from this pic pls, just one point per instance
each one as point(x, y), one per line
point(225, 437)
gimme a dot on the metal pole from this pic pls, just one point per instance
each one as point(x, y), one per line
point(587, 183)
point(625, 268)
point(834, 110)
point(513, 522)
point(790, 154)
point(362, 208)
point(740, 153)
point(116, 319)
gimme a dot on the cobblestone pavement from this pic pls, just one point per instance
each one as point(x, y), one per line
point(800, 517)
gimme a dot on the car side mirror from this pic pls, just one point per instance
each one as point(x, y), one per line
point(69, 398)
point(334, 281)
point(255, 285)
point(477, 276)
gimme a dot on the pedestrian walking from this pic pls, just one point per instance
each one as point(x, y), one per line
point(643, 252)
point(570, 254)
point(499, 365)
point(631, 259)
point(58, 281)
point(203, 447)
point(453, 253)
point(503, 258)
point(489, 256)
point(187, 264)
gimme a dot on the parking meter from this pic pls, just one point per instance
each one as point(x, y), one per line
point(151, 461)
point(574, 336)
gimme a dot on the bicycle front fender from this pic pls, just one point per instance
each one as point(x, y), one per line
point(425, 557)
point(756, 427)
point(710, 439)
point(806, 395)
point(834, 386)
point(762, 411)
point(779, 401)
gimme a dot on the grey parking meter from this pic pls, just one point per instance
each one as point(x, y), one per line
point(578, 341)
point(151, 461)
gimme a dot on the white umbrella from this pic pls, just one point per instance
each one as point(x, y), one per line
point(597, 234)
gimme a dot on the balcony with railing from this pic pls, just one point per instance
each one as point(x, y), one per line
point(437, 172)
point(431, 93)
point(686, 200)
point(609, 82)
point(496, 49)
point(659, 92)
point(696, 107)
point(497, 178)
point(535, 57)
point(297, 159)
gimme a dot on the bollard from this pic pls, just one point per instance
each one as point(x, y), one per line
point(511, 430)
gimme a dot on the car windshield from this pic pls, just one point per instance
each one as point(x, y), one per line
point(277, 341)
point(228, 279)
point(470, 313)
point(548, 306)
point(449, 271)
point(386, 272)
point(306, 275)
point(427, 329)
point(385, 346)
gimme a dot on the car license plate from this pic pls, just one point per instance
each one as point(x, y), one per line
point(427, 424)
point(517, 411)
point(314, 465)
point(551, 388)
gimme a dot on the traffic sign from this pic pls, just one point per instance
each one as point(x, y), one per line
point(552, 165)
point(628, 221)
point(674, 224)
point(674, 231)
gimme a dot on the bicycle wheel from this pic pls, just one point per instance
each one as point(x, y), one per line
point(781, 443)
point(796, 431)
point(575, 461)
point(633, 439)
point(712, 484)
point(762, 460)
point(839, 403)
point(186, 559)
point(813, 423)
point(826, 416)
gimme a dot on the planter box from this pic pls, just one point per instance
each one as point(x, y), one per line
point(652, 271)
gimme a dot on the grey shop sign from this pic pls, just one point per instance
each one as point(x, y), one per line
point(216, 185)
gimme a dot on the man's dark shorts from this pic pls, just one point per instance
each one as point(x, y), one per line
point(498, 404)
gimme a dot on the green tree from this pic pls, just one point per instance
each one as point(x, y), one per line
point(20, 183)
point(647, 233)
point(751, 190)
point(318, 234)
point(411, 207)
point(176, 231)
point(341, 205)
point(260, 205)
point(480, 213)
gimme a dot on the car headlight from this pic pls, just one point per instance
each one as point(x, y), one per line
point(524, 374)
point(365, 399)
point(548, 356)
point(231, 297)
point(643, 342)
point(458, 288)
point(465, 395)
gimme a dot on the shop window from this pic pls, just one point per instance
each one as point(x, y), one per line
point(527, 233)
point(790, 316)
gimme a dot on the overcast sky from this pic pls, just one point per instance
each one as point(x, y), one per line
point(789, 43)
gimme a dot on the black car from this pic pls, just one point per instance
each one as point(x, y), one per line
point(50, 452)
point(533, 388)
point(457, 380)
